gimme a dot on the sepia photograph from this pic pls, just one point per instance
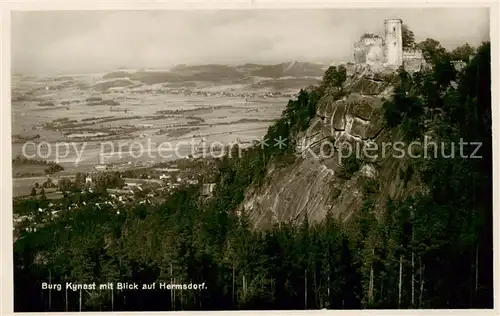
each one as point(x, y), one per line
point(251, 159)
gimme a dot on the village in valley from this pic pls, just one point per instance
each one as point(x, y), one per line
point(121, 184)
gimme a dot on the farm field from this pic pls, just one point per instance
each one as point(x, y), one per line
point(81, 120)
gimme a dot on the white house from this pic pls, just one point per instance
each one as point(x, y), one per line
point(208, 189)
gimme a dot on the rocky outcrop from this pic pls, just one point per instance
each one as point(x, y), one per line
point(315, 183)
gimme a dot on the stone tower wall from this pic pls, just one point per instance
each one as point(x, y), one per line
point(394, 42)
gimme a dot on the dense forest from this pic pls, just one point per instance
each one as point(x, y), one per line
point(431, 250)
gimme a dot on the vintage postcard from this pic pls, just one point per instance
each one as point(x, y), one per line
point(253, 158)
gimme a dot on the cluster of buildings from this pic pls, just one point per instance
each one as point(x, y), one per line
point(189, 92)
point(388, 50)
point(378, 51)
point(158, 179)
point(245, 95)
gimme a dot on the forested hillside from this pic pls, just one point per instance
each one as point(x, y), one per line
point(429, 249)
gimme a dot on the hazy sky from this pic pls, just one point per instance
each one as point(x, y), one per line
point(74, 41)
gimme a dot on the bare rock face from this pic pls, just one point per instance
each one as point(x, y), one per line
point(315, 183)
point(338, 118)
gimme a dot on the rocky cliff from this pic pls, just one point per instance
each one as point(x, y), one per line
point(317, 181)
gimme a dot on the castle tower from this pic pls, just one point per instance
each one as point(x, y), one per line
point(394, 41)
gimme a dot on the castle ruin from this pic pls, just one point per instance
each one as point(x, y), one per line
point(388, 51)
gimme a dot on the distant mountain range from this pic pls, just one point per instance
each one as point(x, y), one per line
point(277, 77)
point(221, 73)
